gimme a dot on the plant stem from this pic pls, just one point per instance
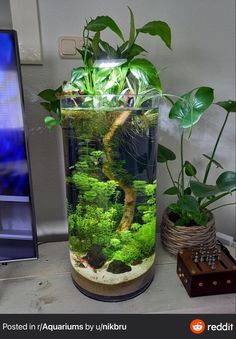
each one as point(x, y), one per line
point(231, 203)
point(182, 161)
point(215, 199)
point(171, 177)
point(214, 150)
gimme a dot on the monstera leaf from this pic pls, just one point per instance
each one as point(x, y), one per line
point(226, 182)
point(190, 107)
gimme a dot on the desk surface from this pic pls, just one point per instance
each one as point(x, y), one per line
point(45, 286)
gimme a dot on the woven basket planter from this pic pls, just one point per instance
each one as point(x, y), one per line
point(175, 238)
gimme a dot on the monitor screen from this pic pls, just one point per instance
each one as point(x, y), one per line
point(17, 226)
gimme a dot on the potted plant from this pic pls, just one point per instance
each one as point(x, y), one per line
point(108, 111)
point(189, 221)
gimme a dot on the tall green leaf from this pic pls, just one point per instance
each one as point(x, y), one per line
point(229, 105)
point(159, 28)
point(190, 107)
point(77, 73)
point(165, 154)
point(102, 22)
point(132, 31)
point(145, 71)
point(95, 44)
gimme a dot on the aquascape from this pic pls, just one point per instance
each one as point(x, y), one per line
point(109, 113)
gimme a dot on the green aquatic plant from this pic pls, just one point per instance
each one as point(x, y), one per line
point(133, 82)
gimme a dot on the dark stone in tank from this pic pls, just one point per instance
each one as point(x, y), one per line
point(95, 257)
point(118, 266)
point(137, 262)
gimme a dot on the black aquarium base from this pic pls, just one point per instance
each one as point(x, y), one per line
point(113, 298)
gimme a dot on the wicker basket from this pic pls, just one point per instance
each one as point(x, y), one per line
point(174, 237)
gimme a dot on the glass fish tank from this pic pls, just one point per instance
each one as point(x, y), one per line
point(110, 147)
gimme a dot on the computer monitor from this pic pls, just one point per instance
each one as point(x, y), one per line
point(18, 239)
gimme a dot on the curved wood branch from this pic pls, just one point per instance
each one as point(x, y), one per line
point(130, 195)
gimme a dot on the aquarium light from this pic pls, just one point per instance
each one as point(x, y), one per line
point(109, 63)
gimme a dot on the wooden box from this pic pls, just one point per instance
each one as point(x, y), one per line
point(199, 279)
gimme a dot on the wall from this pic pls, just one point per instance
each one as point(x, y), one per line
point(203, 54)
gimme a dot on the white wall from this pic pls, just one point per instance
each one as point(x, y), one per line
point(203, 54)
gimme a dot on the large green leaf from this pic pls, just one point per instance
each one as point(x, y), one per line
point(190, 107)
point(110, 51)
point(188, 203)
point(190, 170)
point(226, 182)
point(102, 22)
point(159, 28)
point(201, 190)
point(145, 71)
point(134, 51)
point(165, 154)
point(77, 73)
point(132, 31)
point(229, 105)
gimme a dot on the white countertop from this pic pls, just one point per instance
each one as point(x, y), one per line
point(45, 286)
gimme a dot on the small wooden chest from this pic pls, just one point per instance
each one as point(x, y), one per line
point(200, 279)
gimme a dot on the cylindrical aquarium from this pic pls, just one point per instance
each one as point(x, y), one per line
point(110, 146)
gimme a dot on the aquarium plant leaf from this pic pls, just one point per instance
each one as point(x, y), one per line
point(190, 170)
point(159, 28)
point(110, 51)
point(226, 182)
point(102, 22)
point(165, 154)
point(190, 107)
point(214, 161)
point(51, 122)
point(95, 44)
point(77, 73)
point(145, 71)
point(229, 105)
point(132, 32)
point(134, 51)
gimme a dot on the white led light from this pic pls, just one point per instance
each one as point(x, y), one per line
point(109, 63)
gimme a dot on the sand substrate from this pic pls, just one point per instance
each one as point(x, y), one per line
point(103, 277)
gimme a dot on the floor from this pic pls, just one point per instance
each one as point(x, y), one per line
point(45, 286)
